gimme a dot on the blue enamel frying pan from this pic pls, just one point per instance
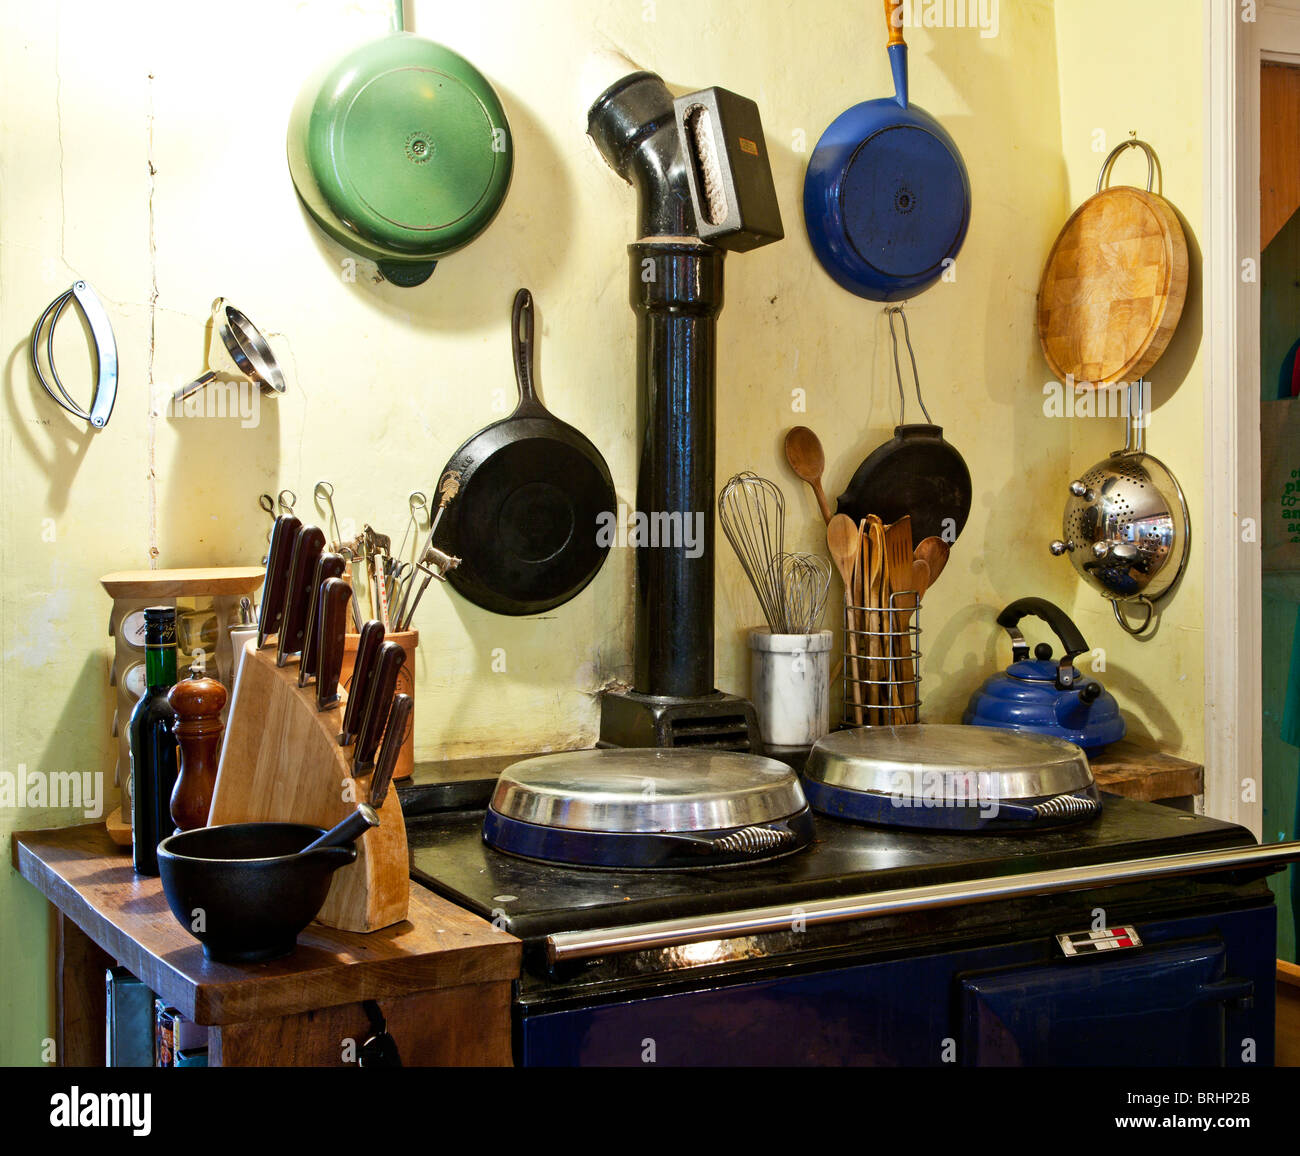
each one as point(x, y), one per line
point(886, 199)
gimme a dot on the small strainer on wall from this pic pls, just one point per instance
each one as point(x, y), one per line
point(1126, 526)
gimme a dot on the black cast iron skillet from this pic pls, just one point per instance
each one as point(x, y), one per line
point(916, 472)
point(526, 518)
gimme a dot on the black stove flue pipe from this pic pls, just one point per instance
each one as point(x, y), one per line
point(676, 291)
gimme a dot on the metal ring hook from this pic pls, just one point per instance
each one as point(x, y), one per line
point(1132, 143)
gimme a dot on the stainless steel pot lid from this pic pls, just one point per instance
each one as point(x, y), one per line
point(648, 790)
point(938, 762)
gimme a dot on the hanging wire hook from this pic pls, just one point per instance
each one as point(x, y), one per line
point(898, 372)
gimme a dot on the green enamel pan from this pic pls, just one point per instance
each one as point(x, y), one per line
point(401, 152)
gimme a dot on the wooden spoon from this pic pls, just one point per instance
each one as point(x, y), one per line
point(842, 539)
point(934, 551)
point(907, 690)
point(877, 596)
point(803, 450)
point(898, 580)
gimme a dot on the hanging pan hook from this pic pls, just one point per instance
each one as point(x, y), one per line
point(898, 372)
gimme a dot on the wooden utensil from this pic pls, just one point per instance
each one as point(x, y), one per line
point(898, 567)
point(878, 592)
point(803, 450)
point(1114, 284)
point(934, 552)
point(907, 687)
point(861, 598)
point(842, 540)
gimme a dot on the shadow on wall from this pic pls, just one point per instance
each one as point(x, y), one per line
point(213, 450)
point(89, 687)
point(465, 292)
point(60, 454)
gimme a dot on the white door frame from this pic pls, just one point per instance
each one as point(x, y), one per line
point(1235, 46)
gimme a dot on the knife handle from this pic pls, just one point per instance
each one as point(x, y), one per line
point(307, 548)
point(276, 583)
point(378, 699)
point(335, 596)
point(399, 717)
point(327, 566)
point(368, 643)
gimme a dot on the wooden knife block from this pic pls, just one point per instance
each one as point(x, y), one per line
point(281, 762)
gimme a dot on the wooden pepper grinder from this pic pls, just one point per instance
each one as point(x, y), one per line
point(197, 702)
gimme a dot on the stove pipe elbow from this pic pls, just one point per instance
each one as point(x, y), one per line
point(634, 127)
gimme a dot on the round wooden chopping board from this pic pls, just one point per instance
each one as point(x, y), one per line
point(1114, 287)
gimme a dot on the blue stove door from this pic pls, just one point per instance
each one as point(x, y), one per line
point(1158, 1008)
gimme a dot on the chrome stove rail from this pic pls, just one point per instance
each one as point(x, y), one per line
point(568, 945)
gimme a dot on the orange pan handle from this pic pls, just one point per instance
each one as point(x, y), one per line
point(894, 21)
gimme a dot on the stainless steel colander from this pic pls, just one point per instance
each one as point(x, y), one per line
point(1126, 526)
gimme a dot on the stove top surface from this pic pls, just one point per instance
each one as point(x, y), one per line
point(532, 899)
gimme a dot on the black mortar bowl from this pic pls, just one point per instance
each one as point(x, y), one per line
point(245, 890)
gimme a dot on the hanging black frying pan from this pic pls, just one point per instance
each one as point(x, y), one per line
point(527, 516)
point(916, 472)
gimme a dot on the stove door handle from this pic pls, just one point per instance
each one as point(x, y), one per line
point(602, 941)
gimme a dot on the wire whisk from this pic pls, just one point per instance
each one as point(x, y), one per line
point(802, 581)
point(752, 512)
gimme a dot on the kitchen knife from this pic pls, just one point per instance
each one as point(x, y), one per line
point(336, 596)
point(307, 548)
point(368, 643)
point(327, 566)
point(379, 697)
point(283, 535)
point(399, 716)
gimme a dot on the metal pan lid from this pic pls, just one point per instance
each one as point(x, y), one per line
point(941, 762)
point(648, 790)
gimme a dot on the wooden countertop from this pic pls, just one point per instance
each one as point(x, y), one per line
point(1127, 768)
point(90, 879)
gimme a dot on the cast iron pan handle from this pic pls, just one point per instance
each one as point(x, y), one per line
point(521, 335)
point(1061, 625)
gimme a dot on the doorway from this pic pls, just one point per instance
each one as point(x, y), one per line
point(1279, 394)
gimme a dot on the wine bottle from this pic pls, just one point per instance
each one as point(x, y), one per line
point(153, 745)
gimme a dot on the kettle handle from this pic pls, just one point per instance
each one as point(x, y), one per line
point(1062, 626)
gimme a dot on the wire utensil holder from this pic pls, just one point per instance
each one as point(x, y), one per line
point(881, 684)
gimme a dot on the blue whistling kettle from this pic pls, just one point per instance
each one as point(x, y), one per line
point(1044, 695)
